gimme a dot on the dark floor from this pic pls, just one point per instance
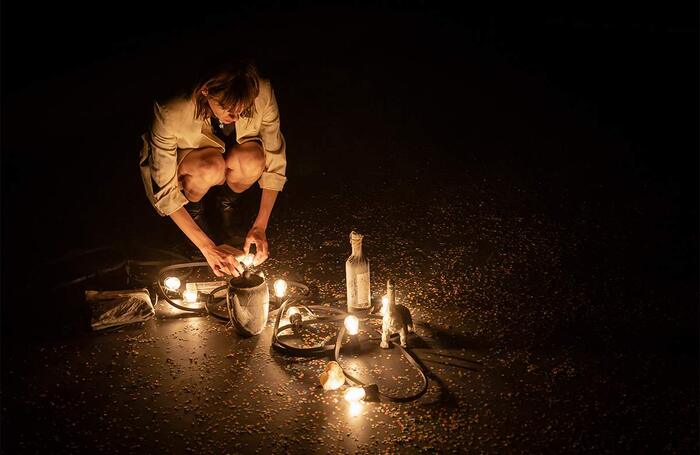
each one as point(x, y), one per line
point(535, 203)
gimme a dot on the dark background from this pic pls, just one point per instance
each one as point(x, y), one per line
point(77, 82)
point(591, 108)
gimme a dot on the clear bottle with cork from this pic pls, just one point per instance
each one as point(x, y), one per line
point(357, 277)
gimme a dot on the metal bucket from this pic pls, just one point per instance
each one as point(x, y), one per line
point(248, 302)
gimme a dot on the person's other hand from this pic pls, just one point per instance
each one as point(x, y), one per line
point(257, 236)
point(223, 260)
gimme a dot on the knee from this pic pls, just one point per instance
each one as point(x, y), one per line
point(244, 166)
point(247, 158)
point(193, 190)
point(212, 169)
point(253, 160)
point(252, 165)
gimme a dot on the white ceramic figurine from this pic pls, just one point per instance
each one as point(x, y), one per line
point(396, 319)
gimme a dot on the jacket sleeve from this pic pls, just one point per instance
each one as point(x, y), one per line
point(274, 176)
point(159, 164)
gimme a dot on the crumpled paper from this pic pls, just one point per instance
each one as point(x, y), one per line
point(332, 377)
point(115, 308)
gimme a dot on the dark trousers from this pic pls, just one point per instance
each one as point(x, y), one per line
point(226, 216)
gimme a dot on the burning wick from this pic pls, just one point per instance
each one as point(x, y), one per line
point(281, 289)
point(352, 324)
point(190, 296)
point(172, 283)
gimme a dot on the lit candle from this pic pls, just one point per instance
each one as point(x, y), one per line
point(172, 283)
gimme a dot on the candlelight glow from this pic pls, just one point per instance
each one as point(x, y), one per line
point(352, 324)
point(354, 394)
point(190, 296)
point(280, 288)
point(355, 408)
point(172, 283)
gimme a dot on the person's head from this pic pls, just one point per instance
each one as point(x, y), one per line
point(245, 166)
point(228, 92)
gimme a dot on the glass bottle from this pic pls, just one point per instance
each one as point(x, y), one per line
point(357, 277)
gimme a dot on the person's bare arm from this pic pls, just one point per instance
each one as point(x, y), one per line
point(220, 260)
point(273, 178)
point(257, 234)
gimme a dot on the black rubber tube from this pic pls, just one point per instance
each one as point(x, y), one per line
point(326, 349)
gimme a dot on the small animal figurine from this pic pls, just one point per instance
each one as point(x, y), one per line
point(396, 318)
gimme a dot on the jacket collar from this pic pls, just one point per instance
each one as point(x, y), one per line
point(209, 135)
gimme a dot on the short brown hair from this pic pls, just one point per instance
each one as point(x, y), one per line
point(233, 84)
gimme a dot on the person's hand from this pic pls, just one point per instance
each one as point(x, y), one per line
point(257, 236)
point(223, 260)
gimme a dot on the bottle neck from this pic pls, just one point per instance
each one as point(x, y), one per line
point(356, 248)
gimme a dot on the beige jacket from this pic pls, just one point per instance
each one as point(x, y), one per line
point(175, 130)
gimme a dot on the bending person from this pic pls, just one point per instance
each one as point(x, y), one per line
point(222, 136)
